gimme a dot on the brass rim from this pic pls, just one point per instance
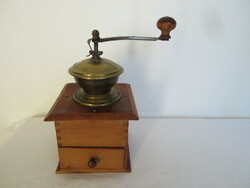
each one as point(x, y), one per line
point(107, 99)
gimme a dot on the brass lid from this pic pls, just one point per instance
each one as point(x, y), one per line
point(95, 69)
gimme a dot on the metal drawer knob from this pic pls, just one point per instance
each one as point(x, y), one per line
point(92, 163)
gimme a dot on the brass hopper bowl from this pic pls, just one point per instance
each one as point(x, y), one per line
point(97, 76)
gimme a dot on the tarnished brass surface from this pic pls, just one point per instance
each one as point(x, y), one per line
point(95, 69)
point(96, 78)
point(97, 87)
point(97, 100)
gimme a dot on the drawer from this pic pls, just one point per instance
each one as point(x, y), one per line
point(96, 158)
point(92, 133)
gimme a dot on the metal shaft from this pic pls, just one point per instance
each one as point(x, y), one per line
point(128, 38)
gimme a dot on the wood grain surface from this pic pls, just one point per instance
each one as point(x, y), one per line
point(92, 133)
point(79, 157)
point(65, 108)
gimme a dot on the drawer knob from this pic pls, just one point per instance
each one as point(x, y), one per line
point(92, 163)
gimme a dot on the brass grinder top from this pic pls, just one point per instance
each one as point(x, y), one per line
point(97, 75)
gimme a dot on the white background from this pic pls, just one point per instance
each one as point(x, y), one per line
point(203, 71)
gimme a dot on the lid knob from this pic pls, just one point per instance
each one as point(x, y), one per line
point(166, 24)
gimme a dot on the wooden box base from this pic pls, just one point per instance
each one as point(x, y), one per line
point(87, 136)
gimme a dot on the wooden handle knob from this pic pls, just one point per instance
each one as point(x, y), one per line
point(166, 24)
point(92, 163)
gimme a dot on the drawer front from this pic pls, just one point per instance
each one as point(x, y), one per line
point(92, 133)
point(96, 158)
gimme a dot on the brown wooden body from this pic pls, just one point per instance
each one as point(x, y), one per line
point(92, 140)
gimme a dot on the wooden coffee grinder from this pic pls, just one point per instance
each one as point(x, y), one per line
point(92, 115)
